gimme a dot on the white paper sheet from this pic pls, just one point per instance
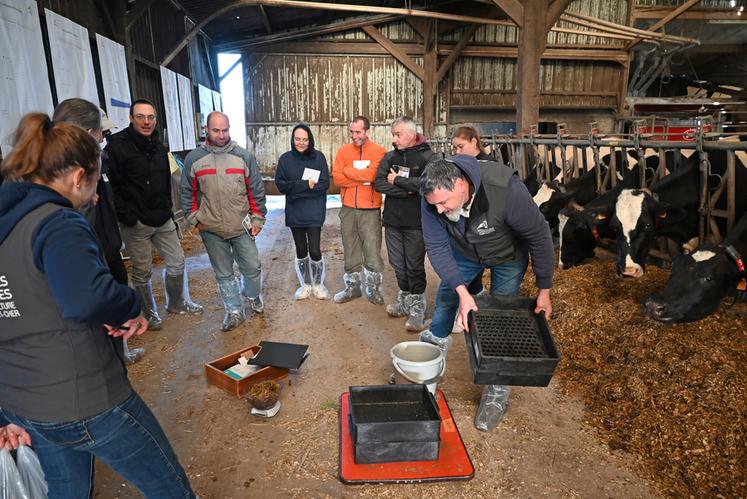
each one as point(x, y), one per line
point(72, 61)
point(187, 112)
point(361, 164)
point(206, 105)
point(217, 104)
point(173, 113)
point(114, 78)
point(310, 174)
point(24, 81)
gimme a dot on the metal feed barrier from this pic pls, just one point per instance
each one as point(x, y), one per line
point(571, 155)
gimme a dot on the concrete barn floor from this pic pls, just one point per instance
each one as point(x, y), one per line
point(542, 448)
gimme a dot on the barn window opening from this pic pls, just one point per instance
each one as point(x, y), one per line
point(231, 71)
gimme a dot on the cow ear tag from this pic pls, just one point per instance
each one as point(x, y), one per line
point(663, 215)
point(601, 216)
point(742, 286)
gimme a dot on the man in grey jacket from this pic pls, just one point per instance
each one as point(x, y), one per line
point(223, 196)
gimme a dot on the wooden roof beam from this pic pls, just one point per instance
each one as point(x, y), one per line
point(513, 9)
point(455, 53)
point(554, 11)
point(396, 51)
point(662, 22)
point(340, 7)
point(265, 19)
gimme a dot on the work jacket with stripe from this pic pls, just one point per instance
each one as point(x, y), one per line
point(220, 187)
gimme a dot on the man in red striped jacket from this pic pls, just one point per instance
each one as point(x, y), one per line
point(223, 196)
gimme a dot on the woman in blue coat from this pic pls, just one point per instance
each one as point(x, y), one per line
point(303, 176)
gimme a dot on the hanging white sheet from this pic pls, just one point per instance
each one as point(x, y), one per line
point(114, 77)
point(24, 81)
point(72, 62)
point(173, 114)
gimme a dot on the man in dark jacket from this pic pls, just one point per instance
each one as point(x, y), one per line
point(398, 177)
point(100, 212)
point(479, 215)
point(138, 167)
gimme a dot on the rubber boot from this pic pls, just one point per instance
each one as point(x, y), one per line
point(177, 297)
point(303, 272)
point(372, 286)
point(148, 305)
point(398, 308)
point(416, 310)
point(132, 355)
point(318, 273)
point(352, 288)
point(232, 320)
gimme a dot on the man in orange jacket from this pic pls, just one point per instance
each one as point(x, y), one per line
point(354, 172)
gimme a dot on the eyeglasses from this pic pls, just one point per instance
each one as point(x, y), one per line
point(300, 140)
point(145, 117)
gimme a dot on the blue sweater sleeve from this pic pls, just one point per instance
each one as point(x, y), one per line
point(525, 219)
point(65, 250)
point(439, 250)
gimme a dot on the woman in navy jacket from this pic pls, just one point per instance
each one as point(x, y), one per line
point(303, 176)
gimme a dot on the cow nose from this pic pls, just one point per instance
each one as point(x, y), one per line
point(655, 308)
point(634, 271)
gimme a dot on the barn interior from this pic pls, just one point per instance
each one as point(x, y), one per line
point(636, 408)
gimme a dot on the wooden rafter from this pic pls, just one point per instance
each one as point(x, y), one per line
point(138, 10)
point(662, 22)
point(341, 7)
point(325, 29)
point(265, 19)
point(396, 52)
point(456, 51)
point(554, 10)
point(513, 9)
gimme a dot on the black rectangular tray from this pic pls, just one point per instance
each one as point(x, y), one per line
point(508, 344)
point(388, 452)
point(287, 355)
point(393, 413)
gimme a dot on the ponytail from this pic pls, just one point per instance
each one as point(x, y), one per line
point(44, 150)
point(468, 133)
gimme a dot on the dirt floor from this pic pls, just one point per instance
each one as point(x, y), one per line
point(558, 441)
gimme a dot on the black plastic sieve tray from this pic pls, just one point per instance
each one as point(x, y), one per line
point(508, 344)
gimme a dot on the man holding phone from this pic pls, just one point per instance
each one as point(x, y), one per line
point(223, 196)
point(398, 177)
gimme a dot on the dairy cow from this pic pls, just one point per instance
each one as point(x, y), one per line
point(669, 209)
point(700, 281)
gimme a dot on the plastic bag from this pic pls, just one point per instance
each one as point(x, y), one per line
point(11, 486)
point(31, 473)
point(493, 405)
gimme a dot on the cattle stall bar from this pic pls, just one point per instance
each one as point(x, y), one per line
point(575, 154)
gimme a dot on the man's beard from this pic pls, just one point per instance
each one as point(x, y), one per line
point(453, 215)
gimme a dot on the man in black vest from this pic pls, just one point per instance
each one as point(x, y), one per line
point(478, 215)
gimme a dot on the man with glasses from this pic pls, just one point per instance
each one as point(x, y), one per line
point(223, 196)
point(354, 171)
point(139, 171)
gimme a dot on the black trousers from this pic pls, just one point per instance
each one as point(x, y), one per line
point(406, 250)
point(307, 241)
point(117, 267)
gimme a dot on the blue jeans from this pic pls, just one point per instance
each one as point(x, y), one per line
point(222, 253)
point(505, 280)
point(127, 437)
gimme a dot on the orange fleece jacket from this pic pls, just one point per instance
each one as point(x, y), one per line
point(356, 186)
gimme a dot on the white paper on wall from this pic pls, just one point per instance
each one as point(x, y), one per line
point(24, 81)
point(206, 104)
point(72, 62)
point(217, 105)
point(187, 112)
point(114, 77)
point(173, 113)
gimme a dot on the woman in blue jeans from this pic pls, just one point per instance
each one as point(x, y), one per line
point(60, 308)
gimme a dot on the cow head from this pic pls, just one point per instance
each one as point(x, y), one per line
point(638, 215)
point(578, 237)
point(696, 287)
point(551, 198)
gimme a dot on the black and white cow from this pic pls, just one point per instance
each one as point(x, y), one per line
point(669, 209)
point(551, 197)
point(700, 281)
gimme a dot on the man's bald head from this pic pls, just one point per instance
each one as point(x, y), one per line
point(217, 129)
